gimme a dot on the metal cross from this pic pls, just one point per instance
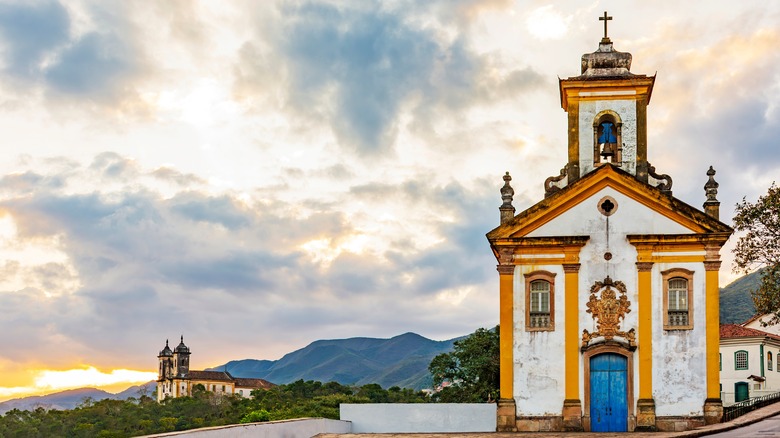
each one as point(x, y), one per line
point(605, 18)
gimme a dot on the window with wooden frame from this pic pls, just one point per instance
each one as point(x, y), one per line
point(769, 360)
point(741, 360)
point(540, 301)
point(678, 302)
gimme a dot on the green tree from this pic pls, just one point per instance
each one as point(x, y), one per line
point(759, 247)
point(470, 373)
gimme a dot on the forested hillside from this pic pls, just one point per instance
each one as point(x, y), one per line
point(399, 361)
point(736, 304)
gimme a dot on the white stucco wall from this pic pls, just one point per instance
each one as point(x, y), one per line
point(299, 428)
point(539, 365)
point(678, 356)
point(419, 417)
point(626, 109)
point(729, 375)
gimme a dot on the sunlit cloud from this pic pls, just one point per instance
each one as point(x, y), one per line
point(546, 23)
point(89, 376)
point(45, 381)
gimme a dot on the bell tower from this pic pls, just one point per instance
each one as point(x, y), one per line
point(181, 360)
point(607, 114)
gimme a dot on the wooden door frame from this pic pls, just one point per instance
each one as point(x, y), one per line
point(622, 351)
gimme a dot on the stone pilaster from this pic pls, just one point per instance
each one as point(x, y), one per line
point(645, 415)
point(506, 415)
point(572, 415)
point(713, 411)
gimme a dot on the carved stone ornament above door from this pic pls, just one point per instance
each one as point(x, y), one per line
point(608, 310)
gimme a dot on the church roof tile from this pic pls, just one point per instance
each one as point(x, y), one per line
point(731, 331)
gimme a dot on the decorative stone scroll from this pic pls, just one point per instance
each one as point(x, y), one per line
point(664, 180)
point(608, 310)
point(553, 184)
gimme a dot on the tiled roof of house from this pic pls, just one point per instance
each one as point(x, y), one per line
point(210, 375)
point(730, 331)
point(252, 383)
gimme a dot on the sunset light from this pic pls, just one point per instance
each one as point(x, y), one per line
point(48, 381)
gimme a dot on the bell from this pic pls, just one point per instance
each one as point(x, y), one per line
point(608, 150)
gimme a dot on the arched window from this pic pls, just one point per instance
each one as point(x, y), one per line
point(607, 139)
point(769, 360)
point(540, 301)
point(741, 360)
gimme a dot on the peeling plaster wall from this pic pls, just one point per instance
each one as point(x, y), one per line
point(679, 366)
point(679, 356)
point(626, 109)
point(539, 364)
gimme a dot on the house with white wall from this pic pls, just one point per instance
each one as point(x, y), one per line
point(748, 362)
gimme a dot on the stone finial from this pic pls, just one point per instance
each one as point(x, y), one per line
point(507, 193)
point(712, 205)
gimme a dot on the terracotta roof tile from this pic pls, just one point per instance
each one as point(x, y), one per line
point(730, 331)
point(253, 383)
point(210, 375)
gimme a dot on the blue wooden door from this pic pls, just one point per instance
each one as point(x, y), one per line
point(608, 389)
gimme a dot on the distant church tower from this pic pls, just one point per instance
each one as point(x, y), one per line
point(181, 359)
point(609, 285)
point(174, 369)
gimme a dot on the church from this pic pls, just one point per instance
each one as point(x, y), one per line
point(175, 379)
point(609, 285)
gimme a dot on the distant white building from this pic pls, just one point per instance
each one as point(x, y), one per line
point(748, 362)
point(175, 379)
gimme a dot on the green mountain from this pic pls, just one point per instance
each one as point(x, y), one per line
point(736, 303)
point(399, 361)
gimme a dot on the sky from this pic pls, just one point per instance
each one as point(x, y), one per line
point(257, 175)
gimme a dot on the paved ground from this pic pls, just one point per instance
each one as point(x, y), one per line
point(742, 421)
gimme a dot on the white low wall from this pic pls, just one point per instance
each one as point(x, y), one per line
point(299, 428)
point(420, 417)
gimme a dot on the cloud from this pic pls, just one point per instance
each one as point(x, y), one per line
point(193, 261)
point(42, 49)
point(30, 32)
point(359, 68)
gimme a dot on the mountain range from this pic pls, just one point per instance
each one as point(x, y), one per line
point(399, 361)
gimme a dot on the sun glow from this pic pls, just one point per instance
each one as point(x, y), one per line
point(325, 250)
point(46, 381)
point(546, 23)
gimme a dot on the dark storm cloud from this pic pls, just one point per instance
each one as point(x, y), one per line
point(357, 67)
point(29, 32)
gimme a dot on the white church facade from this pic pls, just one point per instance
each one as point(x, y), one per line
point(609, 285)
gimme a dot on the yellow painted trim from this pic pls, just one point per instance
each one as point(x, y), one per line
point(677, 259)
point(645, 335)
point(570, 89)
point(610, 179)
point(680, 246)
point(506, 335)
point(540, 261)
point(572, 338)
point(713, 333)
